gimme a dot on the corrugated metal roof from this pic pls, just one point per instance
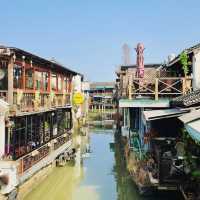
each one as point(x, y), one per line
point(164, 113)
point(189, 117)
point(144, 103)
point(193, 129)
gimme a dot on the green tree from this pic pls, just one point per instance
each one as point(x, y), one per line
point(184, 62)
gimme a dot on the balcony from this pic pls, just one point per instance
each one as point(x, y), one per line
point(163, 87)
point(58, 142)
point(31, 159)
point(28, 101)
point(27, 161)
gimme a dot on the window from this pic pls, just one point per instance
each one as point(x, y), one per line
point(68, 120)
point(41, 80)
point(18, 76)
point(29, 78)
point(61, 120)
point(65, 84)
point(59, 83)
point(18, 147)
point(54, 82)
point(45, 80)
point(3, 75)
point(68, 85)
point(54, 124)
point(38, 80)
point(47, 127)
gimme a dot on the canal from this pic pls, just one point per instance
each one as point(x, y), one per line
point(98, 174)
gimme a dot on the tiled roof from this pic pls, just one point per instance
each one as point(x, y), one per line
point(42, 60)
point(191, 99)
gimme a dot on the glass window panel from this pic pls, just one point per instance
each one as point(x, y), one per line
point(38, 80)
point(54, 82)
point(59, 83)
point(45, 79)
point(17, 76)
point(3, 75)
point(29, 78)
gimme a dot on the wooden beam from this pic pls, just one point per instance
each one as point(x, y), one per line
point(33, 78)
point(23, 77)
point(10, 81)
point(49, 81)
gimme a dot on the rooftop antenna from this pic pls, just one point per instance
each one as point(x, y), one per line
point(126, 54)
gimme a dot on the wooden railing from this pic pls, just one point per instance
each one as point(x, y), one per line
point(33, 101)
point(61, 140)
point(27, 161)
point(159, 87)
point(31, 159)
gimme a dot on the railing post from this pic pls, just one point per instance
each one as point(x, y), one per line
point(184, 85)
point(129, 92)
point(156, 89)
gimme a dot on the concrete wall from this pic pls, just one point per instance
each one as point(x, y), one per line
point(196, 70)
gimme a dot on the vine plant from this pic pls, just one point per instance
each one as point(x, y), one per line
point(184, 62)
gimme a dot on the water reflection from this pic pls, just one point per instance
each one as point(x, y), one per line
point(125, 186)
point(99, 172)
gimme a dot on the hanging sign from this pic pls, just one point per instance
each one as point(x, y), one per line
point(78, 98)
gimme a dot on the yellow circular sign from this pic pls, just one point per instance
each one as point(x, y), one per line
point(78, 98)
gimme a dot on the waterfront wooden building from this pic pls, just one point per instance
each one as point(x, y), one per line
point(150, 123)
point(38, 113)
point(101, 96)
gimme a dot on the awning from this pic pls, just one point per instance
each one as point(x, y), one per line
point(143, 103)
point(164, 113)
point(191, 116)
point(192, 124)
point(193, 129)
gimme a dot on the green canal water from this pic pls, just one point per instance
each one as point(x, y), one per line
point(98, 174)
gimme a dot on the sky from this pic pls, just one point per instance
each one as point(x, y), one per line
point(87, 35)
